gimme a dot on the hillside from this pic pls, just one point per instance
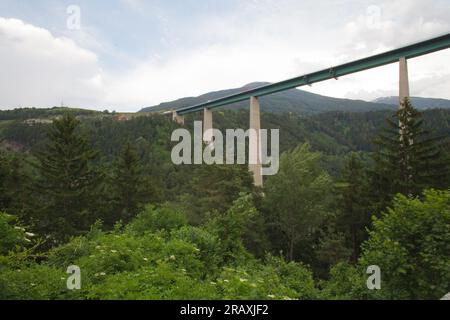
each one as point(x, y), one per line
point(295, 100)
point(333, 132)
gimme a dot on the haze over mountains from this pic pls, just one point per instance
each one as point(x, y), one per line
point(300, 102)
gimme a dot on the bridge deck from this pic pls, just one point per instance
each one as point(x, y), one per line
point(410, 51)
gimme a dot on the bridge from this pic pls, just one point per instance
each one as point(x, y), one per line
point(400, 55)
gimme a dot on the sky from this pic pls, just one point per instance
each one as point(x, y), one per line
point(124, 55)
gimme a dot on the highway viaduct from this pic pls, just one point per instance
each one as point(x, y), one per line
point(400, 56)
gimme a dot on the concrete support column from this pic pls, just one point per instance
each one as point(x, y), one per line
point(403, 90)
point(177, 118)
point(404, 83)
point(207, 126)
point(255, 152)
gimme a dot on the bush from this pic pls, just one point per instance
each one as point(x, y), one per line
point(411, 245)
point(11, 237)
point(231, 227)
point(275, 279)
point(346, 282)
point(36, 282)
point(207, 244)
point(163, 281)
point(166, 217)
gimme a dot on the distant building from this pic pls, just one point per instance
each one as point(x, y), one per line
point(32, 122)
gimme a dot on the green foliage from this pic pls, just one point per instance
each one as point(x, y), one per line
point(354, 212)
point(165, 217)
point(208, 244)
point(207, 230)
point(276, 279)
point(30, 113)
point(130, 188)
point(411, 244)
point(14, 182)
point(214, 187)
point(298, 197)
point(161, 282)
point(36, 282)
point(12, 236)
point(66, 188)
point(231, 226)
point(409, 159)
point(346, 282)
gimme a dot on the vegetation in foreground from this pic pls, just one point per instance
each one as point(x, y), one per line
point(141, 228)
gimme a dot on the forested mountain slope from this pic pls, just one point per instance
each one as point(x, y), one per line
point(295, 100)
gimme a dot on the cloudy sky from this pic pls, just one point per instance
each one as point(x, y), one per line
point(127, 54)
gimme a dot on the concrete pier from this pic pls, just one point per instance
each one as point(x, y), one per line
point(255, 152)
point(207, 126)
point(177, 118)
point(404, 82)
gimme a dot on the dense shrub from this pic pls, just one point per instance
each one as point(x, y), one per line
point(411, 245)
point(165, 217)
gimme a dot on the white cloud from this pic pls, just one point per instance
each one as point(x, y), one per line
point(257, 41)
point(38, 69)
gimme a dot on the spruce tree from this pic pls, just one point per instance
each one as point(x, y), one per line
point(354, 212)
point(130, 184)
point(408, 158)
point(67, 182)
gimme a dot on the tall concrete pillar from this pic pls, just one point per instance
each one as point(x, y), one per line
point(404, 83)
point(403, 90)
point(177, 118)
point(255, 153)
point(207, 126)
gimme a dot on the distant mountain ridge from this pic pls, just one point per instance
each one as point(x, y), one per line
point(301, 102)
point(417, 102)
point(294, 100)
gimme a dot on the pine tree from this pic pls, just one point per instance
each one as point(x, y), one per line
point(131, 187)
point(408, 158)
point(67, 182)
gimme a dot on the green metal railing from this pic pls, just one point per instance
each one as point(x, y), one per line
point(408, 52)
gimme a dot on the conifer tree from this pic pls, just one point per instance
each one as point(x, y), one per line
point(354, 205)
point(131, 187)
point(408, 159)
point(67, 182)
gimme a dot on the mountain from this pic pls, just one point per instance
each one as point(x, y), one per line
point(418, 102)
point(294, 100)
